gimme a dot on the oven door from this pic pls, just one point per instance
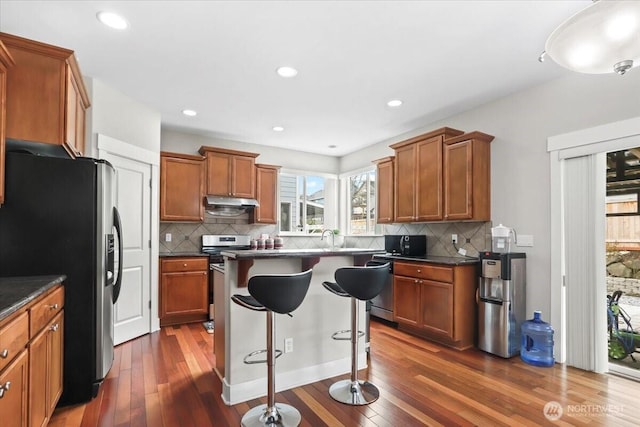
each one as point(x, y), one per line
point(382, 305)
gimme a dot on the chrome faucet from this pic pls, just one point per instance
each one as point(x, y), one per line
point(332, 238)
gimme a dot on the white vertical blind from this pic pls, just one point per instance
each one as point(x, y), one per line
point(584, 190)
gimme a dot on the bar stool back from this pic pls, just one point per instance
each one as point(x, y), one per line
point(282, 294)
point(361, 284)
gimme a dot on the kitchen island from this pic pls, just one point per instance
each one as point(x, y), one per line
point(315, 356)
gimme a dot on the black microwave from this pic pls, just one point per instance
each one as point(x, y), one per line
point(406, 244)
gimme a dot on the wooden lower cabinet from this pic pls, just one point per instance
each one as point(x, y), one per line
point(436, 301)
point(184, 290)
point(13, 386)
point(31, 361)
point(45, 371)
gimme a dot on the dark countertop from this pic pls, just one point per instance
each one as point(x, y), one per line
point(181, 254)
point(16, 292)
point(432, 259)
point(298, 253)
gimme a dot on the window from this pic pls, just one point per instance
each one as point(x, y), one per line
point(362, 203)
point(302, 203)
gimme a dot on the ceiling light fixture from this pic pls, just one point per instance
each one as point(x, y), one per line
point(332, 146)
point(394, 103)
point(287, 72)
point(190, 113)
point(602, 38)
point(112, 20)
point(277, 128)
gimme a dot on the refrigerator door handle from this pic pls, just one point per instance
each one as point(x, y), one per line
point(491, 300)
point(118, 226)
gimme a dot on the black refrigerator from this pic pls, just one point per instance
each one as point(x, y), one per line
point(59, 217)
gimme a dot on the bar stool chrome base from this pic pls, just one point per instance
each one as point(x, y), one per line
point(354, 392)
point(281, 415)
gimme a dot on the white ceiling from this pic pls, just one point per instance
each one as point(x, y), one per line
point(219, 58)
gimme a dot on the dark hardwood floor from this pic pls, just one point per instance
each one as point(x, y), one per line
point(166, 379)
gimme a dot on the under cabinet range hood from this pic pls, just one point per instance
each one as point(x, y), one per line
point(228, 206)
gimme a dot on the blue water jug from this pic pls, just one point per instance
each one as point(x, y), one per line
point(537, 342)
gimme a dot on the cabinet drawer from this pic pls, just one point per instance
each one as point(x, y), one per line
point(44, 310)
point(185, 264)
point(13, 338)
point(423, 271)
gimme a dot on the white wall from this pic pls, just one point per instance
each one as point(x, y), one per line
point(116, 115)
point(520, 181)
point(188, 143)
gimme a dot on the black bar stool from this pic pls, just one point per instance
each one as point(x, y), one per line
point(360, 284)
point(273, 293)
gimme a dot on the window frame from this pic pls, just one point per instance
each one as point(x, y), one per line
point(373, 228)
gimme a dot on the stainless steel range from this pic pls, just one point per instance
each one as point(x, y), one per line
point(214, 244)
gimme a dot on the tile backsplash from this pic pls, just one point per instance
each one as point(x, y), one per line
point(472, 236)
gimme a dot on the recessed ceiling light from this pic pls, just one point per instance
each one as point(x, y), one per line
point(112, 20)
point(277, 128)
point(287, 72)
point(332, 146)
point(189, 113)
point(394, 103)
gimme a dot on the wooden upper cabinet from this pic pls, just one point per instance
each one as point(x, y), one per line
point(181, 187)
point(267, 195)
point(46, 96)
point(230, 173)
point(385, 191)
point(6, 61)
point(418, 176)
point(467, 177)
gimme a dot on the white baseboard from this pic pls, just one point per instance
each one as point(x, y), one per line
point(241, 392)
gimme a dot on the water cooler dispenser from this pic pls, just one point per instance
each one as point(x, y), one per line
point(501, 302)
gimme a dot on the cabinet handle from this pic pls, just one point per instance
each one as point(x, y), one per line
point(53, 307)
point(5, 353)
point(184, 265)
point(415, 280)
point(419, 270)
point(54, 327)
point(4, 388)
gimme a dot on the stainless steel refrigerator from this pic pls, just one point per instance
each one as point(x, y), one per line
point(501, 302)
point(59, 217)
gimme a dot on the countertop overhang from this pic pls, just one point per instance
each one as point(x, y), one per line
point(16, 292)
point(430, 259)
point(297, 253)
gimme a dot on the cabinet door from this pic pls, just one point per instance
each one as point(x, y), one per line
point(218, 174)
point(4, 63)
point(458, 182)
point(184, 294)
point(219, 321)
point(405, 183)
point(56, 361)
point(181, 189)
point(429, 181)
point(243, 177)
point(436, 302)
point(406, 300)
point(74, 116)
point(385, 192)
point(267, 195)
point(38, 383)
point(13, 403)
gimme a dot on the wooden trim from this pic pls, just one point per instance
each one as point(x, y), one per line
point(384, 159)
point(181, 156)
point(476, 135)
point(264, 166)
point(445, 131)
point(204, 150)
point(5, 57)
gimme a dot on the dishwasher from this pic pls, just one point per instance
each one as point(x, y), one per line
point(382, 305)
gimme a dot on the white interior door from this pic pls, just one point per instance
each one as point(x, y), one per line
point(132, 312)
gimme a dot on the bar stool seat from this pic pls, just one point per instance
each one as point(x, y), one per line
point(282, 294)
point(360, 284)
